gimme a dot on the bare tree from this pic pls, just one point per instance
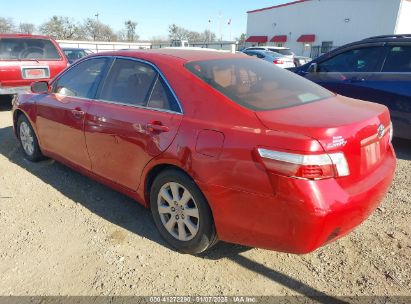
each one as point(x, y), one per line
point(27, 28)
point(179, 33)
point(6, 25)
point(95, 30)
point(62, 28)
point(131, 30)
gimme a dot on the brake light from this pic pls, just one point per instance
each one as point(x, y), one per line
point(304, 166)
point(278, 61)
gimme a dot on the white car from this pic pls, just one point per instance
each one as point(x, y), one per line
point(298, 60)
point(276, 58)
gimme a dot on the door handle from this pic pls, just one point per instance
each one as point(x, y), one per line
point(77, 113)
point(157, 126)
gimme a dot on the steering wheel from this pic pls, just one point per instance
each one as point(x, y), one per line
point(33, 50)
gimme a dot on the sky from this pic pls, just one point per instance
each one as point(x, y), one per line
point(153, 17)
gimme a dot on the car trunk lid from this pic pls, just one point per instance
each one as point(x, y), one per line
point(359, 129)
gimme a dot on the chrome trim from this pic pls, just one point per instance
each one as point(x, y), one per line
point(136, 106)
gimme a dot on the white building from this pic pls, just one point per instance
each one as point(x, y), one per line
point(312, 26)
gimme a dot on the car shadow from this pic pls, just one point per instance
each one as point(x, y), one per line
point(402, 148)
point(126, 213)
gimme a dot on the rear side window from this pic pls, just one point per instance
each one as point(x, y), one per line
point(257, 84)
point(398, 60)
point(27, 48)
point(136, 83)
point(82, 79)
point(367, 59)
point(129, 82)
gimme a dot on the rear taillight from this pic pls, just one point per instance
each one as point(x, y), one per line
point(391, 132)
point(319, 166)
point(278, 61)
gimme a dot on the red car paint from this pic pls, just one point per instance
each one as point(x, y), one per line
point(215, 141)
point(11, 68)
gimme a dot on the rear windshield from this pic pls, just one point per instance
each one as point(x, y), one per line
point(283, 51)
point(257, 84)
point(27, 48)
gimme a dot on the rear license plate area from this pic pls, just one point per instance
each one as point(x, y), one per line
point(35, 72)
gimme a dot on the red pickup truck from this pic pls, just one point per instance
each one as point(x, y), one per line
point(28, 58)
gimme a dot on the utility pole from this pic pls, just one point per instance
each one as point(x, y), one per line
point(209, 30)
point(220, 16)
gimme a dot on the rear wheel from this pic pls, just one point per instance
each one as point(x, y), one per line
point(181, 212)
point(28, 139)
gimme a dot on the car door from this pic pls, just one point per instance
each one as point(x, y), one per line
point(61, 112)
point(135, 118)
point(392, 87)
point(347, 72)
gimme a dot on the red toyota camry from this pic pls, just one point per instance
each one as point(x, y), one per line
point(218, 146)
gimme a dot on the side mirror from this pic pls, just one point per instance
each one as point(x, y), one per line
point(313, 68)
point(40, 87)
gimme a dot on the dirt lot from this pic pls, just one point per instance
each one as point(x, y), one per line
point(64, 234)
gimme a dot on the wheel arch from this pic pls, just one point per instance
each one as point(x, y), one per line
point(153, 173)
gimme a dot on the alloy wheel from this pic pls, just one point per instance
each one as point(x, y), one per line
point(178, 211)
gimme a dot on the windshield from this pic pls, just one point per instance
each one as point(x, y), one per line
point(27, 49)
point(257, 84)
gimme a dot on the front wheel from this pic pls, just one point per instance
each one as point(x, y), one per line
point(28, 139)
point(181, 212)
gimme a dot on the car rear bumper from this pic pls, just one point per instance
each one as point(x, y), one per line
point(14, 90)
point(302, 215)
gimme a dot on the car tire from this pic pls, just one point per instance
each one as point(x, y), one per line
point(28, 140)
point(181, 213)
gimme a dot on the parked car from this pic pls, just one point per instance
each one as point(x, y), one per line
point(376, 69)
point(219, 146)
point(298, 60)
point(74, 54)
point(26, 58)
point(272, 57)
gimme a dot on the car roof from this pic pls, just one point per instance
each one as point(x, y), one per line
point(24, 36)
point(182, 53)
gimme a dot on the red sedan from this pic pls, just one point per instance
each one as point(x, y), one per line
point(218, 146)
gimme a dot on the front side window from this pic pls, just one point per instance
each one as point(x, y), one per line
point(398, 60)
point(356, 60)
point(27, 49)
point(257, 84)
point(82, 79)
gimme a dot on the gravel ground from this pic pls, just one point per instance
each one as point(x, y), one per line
point(64, 234)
